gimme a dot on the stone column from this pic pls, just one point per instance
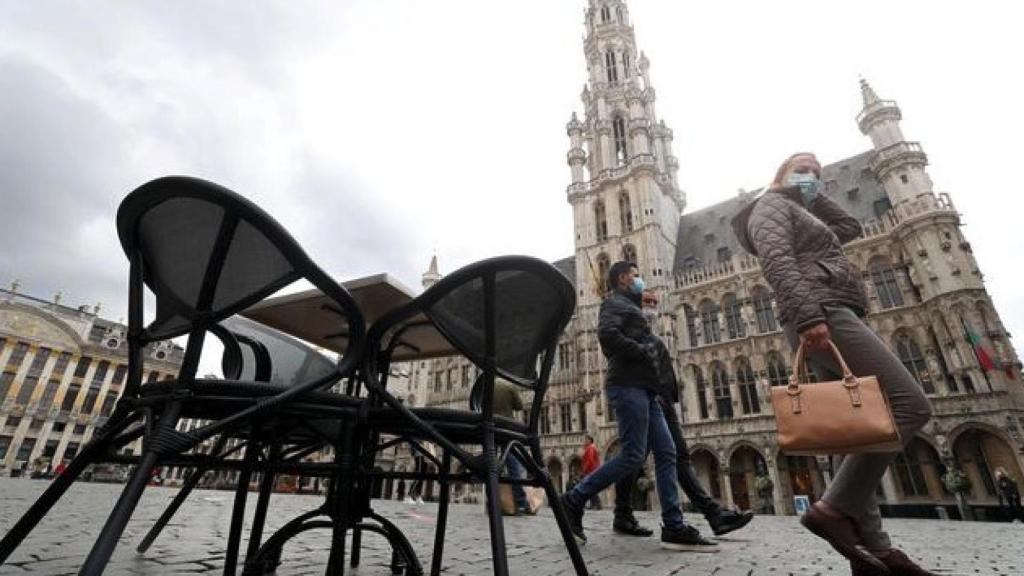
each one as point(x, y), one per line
point(726, 484)
point(778, 498)
point(892, 493)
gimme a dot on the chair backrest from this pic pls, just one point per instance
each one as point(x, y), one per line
point(509, 310)
point(207, 253)
point(530, 304)
point(291, 361)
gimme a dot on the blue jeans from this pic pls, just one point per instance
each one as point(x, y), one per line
point(640, 421)
point(515, 470)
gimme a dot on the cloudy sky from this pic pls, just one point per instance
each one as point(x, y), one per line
point(381, 131)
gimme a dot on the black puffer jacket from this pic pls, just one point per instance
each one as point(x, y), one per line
point(801, 254)
point(627, 342)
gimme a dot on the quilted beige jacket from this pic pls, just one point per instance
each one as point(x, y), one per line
point(801, 254)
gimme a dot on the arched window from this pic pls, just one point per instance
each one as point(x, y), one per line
point(619, 133)
point(611, 70)
point(619, 16)
point(912, 465)
point(606, 14)
point(763, 310)
point(723, 395)
point(733, 316)
point(778, 374)
point(748, 387)
point(603, 264)
point(629, 253)
point(709, 321)
point(702, 391)
point(626, 64)
point(625, 215)
point(986, 319)
point(690, 316)
point(910, 354)
point(884, 278)
point(601, 221)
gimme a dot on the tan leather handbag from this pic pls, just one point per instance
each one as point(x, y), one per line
point(845, 416)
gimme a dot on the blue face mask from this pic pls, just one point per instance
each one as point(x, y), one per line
point(808, 183)
point(638, 286)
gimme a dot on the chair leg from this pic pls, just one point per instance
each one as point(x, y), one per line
point(442, 515)
point(561, 518)
point(494, 507)
point(24, 526)
point(186, 489)
point(336, 560)
point(238, 510)
point(119, 516)
point(262, 504)
point(118, 519)
point(357, 544)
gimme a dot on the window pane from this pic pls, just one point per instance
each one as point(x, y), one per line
point(83, 366)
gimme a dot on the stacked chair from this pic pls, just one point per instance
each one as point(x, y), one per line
point(207, 254)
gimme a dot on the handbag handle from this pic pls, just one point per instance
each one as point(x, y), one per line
point(800, 366)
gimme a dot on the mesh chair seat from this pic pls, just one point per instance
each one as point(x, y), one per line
point(214, 398)
point(452, 421)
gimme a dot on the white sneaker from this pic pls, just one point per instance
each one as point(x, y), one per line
point(408, 500)
point(419, 500)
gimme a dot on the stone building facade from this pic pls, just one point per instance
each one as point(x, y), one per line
point(927, 298)
point(61, 372)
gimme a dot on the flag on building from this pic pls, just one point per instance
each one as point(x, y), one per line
point(984, 360)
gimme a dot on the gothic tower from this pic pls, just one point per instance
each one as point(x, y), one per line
point(625, 197)
point(926, 224)
point(929, 244)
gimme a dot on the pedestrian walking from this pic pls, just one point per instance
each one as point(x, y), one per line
point(591, 461)
point(721, 520)
point(1009, 495)
point(630, 384)
point(797, 233)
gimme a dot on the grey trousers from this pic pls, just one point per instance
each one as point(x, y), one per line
point(853, 487)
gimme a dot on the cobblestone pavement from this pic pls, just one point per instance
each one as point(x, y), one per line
point(194, 541)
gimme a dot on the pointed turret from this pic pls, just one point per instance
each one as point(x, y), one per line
point(868, 93)
point(431, 276)
point(897, 163)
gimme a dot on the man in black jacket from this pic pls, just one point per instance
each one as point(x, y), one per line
point(722, 521)
point(631, 383)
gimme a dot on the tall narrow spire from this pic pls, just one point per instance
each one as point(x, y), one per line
point(868, 93)
point(431, 276)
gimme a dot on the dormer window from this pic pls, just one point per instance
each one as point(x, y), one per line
point(724, 254)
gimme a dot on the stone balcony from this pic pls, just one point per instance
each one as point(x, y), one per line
point(561, 439)
point(898, 154)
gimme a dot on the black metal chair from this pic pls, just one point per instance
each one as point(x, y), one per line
point(255, 353)
point(505, 315)
point(205, 253)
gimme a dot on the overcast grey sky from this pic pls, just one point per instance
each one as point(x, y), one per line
point(379, 131)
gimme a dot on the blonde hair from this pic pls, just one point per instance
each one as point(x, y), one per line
point(781, 172)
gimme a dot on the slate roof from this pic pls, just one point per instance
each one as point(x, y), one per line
point(567, 266)
point(706, 234)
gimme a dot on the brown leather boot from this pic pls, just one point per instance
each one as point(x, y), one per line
point(842, 533)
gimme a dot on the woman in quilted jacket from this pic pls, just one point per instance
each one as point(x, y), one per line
point(797, 232)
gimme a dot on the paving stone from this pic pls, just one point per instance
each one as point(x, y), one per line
point(193, 543)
